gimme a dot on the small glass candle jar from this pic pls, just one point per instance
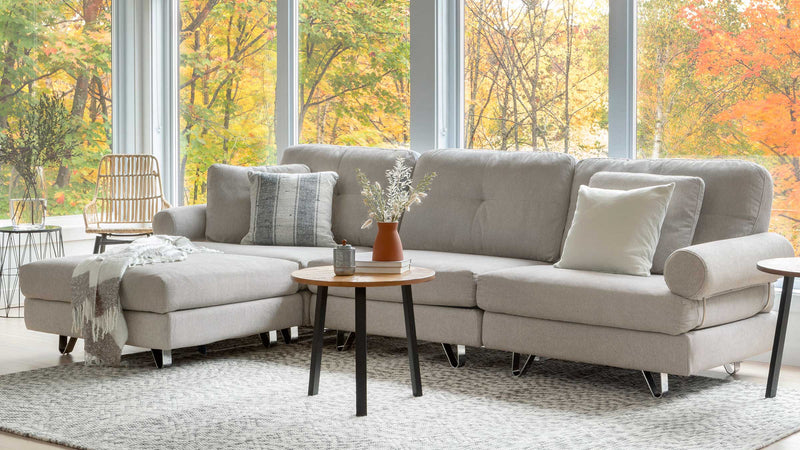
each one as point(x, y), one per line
point(344, 259)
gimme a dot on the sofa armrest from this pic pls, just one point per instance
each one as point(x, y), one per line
point(189, 221)
point(705, 270)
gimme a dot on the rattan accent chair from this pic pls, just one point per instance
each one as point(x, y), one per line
point(127, 196)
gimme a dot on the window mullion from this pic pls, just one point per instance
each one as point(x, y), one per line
point(287, 81)
point(163, 124)
point(622, 79)
point(123, 85)
point(436, 74)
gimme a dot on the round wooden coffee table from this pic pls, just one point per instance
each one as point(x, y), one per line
point(323, 277)
point(788, 268)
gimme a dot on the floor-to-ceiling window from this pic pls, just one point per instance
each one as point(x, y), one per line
point(59, 48)
point(721, 79)
point(354, 72)
point(227, 88)
point(536, 75)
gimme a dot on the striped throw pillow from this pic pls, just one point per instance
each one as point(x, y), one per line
point(291, 209)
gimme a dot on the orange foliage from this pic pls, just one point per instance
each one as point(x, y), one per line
point(759, 54)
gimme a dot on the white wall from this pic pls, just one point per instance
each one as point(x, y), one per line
point(791, 348)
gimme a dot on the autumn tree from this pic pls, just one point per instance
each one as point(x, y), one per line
point(536, 76)
point(354, 72)
point(61, 48)
point(226, 88)
point(759, 53)
point(353, 83)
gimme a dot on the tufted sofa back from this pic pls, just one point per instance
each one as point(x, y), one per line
point(737, 200)
point(511, 204)
point(349, 211)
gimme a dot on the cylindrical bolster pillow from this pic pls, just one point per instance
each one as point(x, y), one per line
point(189, 221)
point(704, 270)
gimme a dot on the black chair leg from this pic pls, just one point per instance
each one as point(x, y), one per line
point(104, 238)
point(97, 241)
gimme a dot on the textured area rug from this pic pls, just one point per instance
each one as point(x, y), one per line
point(243, 395)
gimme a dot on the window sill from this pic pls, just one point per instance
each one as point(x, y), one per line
point(72, 227)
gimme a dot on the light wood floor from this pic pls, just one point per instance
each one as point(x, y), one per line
point(22, 350)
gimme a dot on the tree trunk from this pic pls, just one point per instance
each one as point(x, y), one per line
point(568, 18)
point(91, 9)
point(322, 113)
point(658, 128)
point(9, 61)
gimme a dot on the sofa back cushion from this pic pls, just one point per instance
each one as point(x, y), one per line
point(228, 199)
point(489, 202)
point(737, 200)
point(349, 211)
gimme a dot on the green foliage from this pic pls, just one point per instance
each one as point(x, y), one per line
point(354, 80)
point(61, 50)
point(354, 72)
point(227, 78)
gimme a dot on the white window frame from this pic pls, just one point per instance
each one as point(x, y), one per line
point(287, 101)
point(146, 106)
point(144, 72)
point(437, 74)
point(622, 78)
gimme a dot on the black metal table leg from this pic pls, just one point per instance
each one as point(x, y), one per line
point(361, 351)
point(780, 337)
point(316, 344)
point(411, 335)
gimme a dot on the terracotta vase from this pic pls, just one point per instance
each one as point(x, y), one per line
point(388, 246)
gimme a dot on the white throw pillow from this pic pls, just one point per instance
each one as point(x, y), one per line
point(616, 231)
point(682, 213)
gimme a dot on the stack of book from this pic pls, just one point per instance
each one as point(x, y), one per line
point(365, 264)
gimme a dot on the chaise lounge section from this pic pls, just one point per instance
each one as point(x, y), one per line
point(492, 228)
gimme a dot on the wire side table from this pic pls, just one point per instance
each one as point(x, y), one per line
point(19, 247)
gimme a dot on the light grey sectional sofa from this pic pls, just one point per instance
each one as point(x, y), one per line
point(491, 228)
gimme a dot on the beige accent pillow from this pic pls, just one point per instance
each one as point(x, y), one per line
point(616, 231)
point(682, 213)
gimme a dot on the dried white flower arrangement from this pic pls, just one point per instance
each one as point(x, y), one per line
point(389, 205)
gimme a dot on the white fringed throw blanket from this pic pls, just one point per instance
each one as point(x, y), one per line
point(96, 308)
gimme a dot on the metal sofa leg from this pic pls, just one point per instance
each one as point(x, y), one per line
point(516, 370)
point(651, 383)
point(268, 338)
point(290, 335)
point(733, 368)
point(66, 344)
point(163, 358)
point(457, 357)
point(97, 241)
point(344, 343)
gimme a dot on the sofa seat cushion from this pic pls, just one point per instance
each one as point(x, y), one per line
point(300, 255)
point(455, 278)
point(612, 300)
point(203, 279)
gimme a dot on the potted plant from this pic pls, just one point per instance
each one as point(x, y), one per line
point(44, 136)
point(386, 206)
